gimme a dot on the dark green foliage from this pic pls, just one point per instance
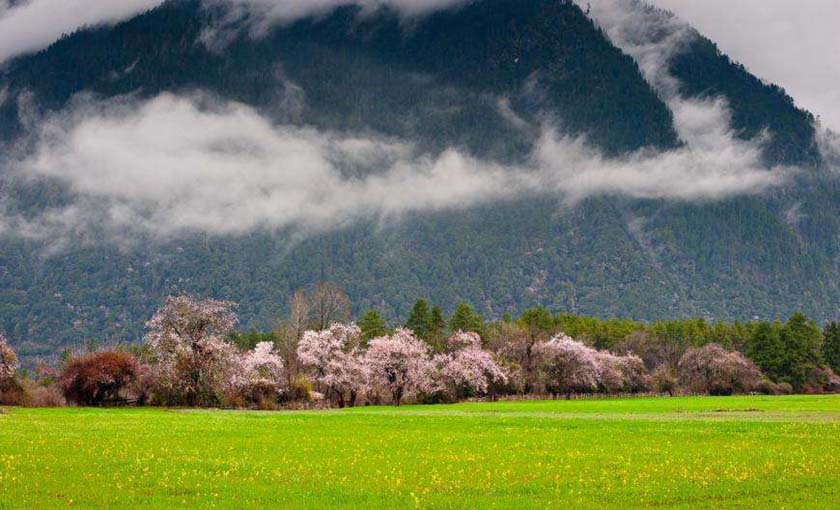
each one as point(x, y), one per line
point(767, 350)
point(537, 319)
point(420, 319)
point(368, 72)
point(803, 343)
point(372, 325)
point(464, 318)
point(831, 346)
point(438, 322)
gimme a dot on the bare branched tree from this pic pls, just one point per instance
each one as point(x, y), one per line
point(329, 304)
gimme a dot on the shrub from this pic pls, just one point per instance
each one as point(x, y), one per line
point(300, 390)
point(39, 395)
point(768, 387)
point(822, 380)
point(98, 378)
point(11, 393)
point(785, 388)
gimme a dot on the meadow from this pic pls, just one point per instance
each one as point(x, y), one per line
point(668, 453)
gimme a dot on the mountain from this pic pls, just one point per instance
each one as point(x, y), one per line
point(486, 79)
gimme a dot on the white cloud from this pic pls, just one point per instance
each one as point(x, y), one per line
point(171, 164)
point(35, 24)
point(167, 165)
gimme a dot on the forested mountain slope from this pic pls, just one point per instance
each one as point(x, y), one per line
point(485, 78)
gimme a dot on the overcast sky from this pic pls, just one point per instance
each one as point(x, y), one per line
point(794, 43)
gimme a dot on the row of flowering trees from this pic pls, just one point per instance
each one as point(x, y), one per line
point(189, 360)
point(397, 366)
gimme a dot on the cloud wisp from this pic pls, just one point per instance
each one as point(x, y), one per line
point(173, 164)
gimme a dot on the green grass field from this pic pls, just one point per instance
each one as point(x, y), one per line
point(685, 453)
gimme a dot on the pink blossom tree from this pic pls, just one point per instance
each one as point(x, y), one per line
point(261, 374)
point(463, 340)
point(400, 364)
point(567, 366)
point(8, 360)
point(333, 357)
point(193, 360)
point(635, 373)
point(714, 370)
point(620, 373)
point(474, 371)
point(610, 372)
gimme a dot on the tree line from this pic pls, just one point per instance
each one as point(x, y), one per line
point(192, 355)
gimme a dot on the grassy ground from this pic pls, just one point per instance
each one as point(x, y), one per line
point(681, 453)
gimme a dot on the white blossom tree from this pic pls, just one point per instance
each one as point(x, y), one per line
point(334, 360)
point(8, 360)
point(261, 374)
point(610, 372)
point(635, 373)
point(714, 370)
point(193, 359)
point(400, 364)
point(463, 340)
point(567, 366)
point(474, 370)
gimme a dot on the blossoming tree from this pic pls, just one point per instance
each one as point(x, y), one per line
point(261, 374)
point(400, 364)
point(194, 361)
point(99, 378)
point(714, 370)
point(567, 366)
point(8, 360)
point(333, 357)
point(470, 368)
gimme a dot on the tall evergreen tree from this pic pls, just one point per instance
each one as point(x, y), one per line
point(803, 346)
point(537, 321)
point(372, 325)
point(420, 319)
point(438, 322)
point(767, 350)
point(464, 318)
point(831, 346)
